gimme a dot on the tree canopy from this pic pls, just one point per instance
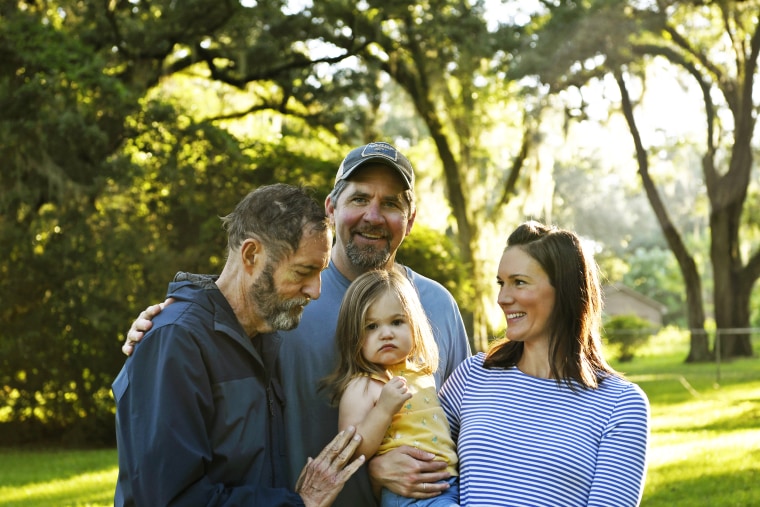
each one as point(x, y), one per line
point(128, 127)
point(717, 46)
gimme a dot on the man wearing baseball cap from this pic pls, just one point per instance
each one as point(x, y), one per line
point(372, 209)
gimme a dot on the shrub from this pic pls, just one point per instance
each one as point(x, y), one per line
point(626, 334)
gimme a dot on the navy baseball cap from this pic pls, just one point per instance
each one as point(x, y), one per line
point(377, 153)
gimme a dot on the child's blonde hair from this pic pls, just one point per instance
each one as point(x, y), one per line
point(350, 335)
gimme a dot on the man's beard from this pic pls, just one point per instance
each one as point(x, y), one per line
point(279, 313)
point(368, 257)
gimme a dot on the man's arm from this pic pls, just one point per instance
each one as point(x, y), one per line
point(142, 325)
point(410, 472)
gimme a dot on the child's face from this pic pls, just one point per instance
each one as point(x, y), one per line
point(387, 332)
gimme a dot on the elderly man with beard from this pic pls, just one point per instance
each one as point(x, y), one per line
point(199, 409)
point(371, 209)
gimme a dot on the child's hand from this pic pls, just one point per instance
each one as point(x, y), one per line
point(395, 392)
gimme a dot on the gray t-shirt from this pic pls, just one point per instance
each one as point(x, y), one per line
point(308, 353)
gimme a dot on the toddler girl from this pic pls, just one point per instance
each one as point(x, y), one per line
point(383, 383)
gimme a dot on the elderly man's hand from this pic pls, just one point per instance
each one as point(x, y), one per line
point(324, 477)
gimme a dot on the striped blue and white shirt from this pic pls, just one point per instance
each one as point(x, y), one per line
point(526, 441)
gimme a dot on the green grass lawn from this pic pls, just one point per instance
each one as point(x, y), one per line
point(57, 478)
point(705, 446)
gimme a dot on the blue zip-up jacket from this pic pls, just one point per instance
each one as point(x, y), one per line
point(198, 414)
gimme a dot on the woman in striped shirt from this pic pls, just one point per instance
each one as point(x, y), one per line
point(541, 419)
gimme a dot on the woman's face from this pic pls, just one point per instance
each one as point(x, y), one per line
point(526, 296)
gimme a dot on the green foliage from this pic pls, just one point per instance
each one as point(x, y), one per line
point(575, 45)
point(632, 249)
point(78, 271)
point(626, 334)
point(755, 308)
point(654, 272)
point(60, 119)
point(433, 254)
point(114, 177)
point(59, 114)
point(109, 189)
point(57, 343)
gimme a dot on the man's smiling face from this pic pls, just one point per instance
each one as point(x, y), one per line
point(371, 219)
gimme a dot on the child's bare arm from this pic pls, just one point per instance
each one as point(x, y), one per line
point(369, 406)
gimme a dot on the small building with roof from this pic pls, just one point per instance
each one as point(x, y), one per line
point(622, 300)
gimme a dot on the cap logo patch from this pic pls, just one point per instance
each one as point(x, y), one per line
point(381, 150)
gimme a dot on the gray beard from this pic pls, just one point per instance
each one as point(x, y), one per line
point(279, 313)
point(288, 318)
point(367, 258)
